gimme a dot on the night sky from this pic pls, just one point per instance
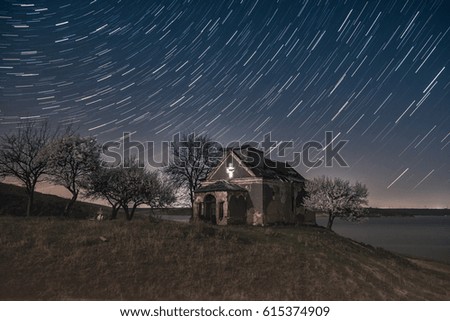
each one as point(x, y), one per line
point(375, 73)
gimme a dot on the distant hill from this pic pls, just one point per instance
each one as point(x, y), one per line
point(13, 201)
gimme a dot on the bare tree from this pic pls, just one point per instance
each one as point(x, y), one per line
point(336, 197)
point(22, 157)
point(104, 183)
point(143, 187)
point(138, 183)
point(160, 192)
point(130, 186)
point(194, 156)
point(72, 159)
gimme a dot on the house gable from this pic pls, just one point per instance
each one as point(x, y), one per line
point(240, 170)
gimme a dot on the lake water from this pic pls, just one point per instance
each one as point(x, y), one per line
point(417, 236)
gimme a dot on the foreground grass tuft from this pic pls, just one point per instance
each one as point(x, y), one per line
point(54, 259)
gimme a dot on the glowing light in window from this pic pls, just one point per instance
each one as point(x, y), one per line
point(230, 170)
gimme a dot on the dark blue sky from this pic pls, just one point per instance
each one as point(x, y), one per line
point(375, 73)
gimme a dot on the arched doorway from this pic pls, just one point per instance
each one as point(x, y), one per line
point(210, 209)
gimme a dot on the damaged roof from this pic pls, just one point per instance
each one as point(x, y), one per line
point(264, 167)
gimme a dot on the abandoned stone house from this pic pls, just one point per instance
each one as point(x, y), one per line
point(247, 188)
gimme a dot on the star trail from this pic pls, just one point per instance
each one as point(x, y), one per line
point(375, 73)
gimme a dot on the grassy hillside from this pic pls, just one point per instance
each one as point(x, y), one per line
point(47, 258)
point(13, 201)
point(50, 258)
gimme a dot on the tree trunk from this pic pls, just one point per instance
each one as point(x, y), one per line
point(30, 202)
point(70, 204)
point(127, 212)
point(132, 212)
point(114, 211)
point(192, 205)
point(330, 220)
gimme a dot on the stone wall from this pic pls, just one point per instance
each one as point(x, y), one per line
point(265, 202)
point(255, 202)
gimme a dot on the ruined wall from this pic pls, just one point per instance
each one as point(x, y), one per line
point(303, 216)
point(237, 208)
point(306, 217)
point(255, 213)
point(282, 202)
point(278, 202)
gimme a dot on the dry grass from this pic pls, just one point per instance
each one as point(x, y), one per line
point(53, 259)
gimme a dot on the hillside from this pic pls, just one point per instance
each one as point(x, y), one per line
point(54, 259)
point(13, 201)
point(48, 258)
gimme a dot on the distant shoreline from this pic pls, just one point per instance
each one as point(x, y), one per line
point(402, 212)
point(374, 212)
